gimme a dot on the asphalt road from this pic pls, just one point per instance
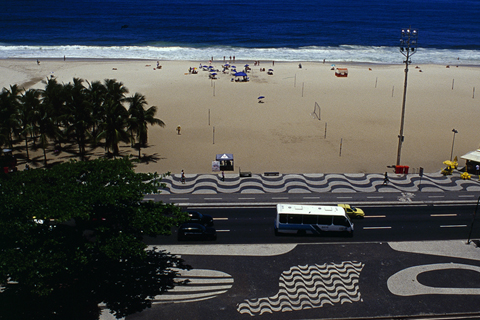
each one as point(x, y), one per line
point(381, 223)
point(250, 273)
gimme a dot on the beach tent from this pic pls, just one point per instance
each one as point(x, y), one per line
point(472, 160)
point(241, 74)
point(341, 72)
point(226, 161)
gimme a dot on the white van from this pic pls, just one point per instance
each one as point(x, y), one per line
point(308, 219)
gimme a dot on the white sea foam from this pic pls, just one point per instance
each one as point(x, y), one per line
point(344, 53)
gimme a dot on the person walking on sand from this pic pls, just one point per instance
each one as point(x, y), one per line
point(183, 177)
point(179, 129)
point(385, 179)
point(223, 175)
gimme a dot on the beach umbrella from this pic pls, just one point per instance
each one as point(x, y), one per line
point(213, 73)
point(234, 67)
point(240, 74)
point(246, 65)
point(261, 97)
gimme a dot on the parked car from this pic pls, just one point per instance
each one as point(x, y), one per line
point(196, 231)
point(198, 217)
point(352, 212)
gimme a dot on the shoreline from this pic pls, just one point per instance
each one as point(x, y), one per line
point(349, 63)
point(357, 131)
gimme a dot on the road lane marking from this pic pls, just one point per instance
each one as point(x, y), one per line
point(220, 218)
point(148, 199)
point(277, 198)
point(344, 197)
point(311, 197)
point(375, 216)
point(373, 228)
point(454, 226)
point(436, 196)
point(179, 198)
point(223, 230)
point(212, 198)
point(467, 196)
point(375, 197)
point(444, 215)
point(246, 198)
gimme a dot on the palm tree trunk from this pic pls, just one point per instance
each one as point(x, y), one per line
point(26, 147)
point(45, 157)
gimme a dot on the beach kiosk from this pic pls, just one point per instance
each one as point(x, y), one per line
point(226, 161)
point(472, 161)
point(341, 72)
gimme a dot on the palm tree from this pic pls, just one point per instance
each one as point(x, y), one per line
point(114, 126)
point(30, 102)
point(9, 106)
point(116, 91)
point(96, 93)
point(53, 99)
point(78, 119)
point(50, 114)
point(140, 118)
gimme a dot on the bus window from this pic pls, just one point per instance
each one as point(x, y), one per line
point(325, 220)
point(340, 221)
point(309, 219)
point(283, 218)
point(295, 219)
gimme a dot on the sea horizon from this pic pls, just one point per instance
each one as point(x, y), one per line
point(312, 30)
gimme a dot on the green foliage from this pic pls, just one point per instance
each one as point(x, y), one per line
point(72, 238)
point(75, 113)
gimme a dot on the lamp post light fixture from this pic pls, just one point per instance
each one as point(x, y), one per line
point(453, 142)
point(408, 46)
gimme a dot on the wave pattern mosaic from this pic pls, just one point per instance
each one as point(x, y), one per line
point(310, 286)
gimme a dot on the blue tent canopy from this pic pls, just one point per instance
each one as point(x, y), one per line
point(240, 74)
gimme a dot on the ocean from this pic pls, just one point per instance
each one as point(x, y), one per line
point(310, 30)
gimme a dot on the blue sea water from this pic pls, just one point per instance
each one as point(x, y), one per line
point(281, 30)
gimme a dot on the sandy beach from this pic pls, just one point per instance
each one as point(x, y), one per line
point(359, 115)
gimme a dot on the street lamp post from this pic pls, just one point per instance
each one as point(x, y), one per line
point(473, 221)
point(453, 142)
point(408, 46)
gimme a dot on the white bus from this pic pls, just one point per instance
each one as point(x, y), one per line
point(303, 219)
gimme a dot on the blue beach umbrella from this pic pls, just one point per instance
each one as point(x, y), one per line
point(261, 97)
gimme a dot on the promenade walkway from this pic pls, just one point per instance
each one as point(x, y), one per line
point(317, 183)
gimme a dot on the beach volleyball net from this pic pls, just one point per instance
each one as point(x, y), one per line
point(316, 111)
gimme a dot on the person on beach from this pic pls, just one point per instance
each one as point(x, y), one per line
point(179, 129)
point(385, 179)
point(223, 175)
point(182, 177)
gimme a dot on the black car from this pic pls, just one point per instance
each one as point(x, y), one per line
point(196, 231)
point(203, 219)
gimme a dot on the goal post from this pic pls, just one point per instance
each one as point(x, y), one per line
point(316, 111)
